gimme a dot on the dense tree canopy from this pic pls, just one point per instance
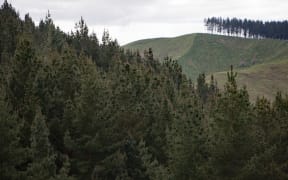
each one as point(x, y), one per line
point(72, 107)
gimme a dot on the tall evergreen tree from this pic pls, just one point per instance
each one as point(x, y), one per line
point(12, 154)
point(42, 155)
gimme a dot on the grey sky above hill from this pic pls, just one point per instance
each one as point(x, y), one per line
point(130, 20)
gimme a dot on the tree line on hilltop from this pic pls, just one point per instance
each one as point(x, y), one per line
point(248, 28)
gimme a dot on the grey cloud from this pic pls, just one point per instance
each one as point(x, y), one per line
point(124, 14)
point(96, 12)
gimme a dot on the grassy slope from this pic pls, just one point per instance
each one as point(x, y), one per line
point(261, 80)
point(262, 64)
point(163, 47)
point(214, 53)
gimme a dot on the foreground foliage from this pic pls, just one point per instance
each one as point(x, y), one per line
point(74, 108)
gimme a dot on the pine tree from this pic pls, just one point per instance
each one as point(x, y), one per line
point(10, 25)
point(42, 154)
point(232, 130)
point(187, 141)
point(65, 170)
point(20, 87)
point(202, 87)
point(24, 71)
point(154, 170)
point(12, 155)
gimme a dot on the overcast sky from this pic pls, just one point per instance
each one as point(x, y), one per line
point(130, 20)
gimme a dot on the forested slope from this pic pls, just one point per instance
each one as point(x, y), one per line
point(72, 107)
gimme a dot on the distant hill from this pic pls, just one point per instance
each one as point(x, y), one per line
point(163, 47)
point(261, 80)
point(212, 54)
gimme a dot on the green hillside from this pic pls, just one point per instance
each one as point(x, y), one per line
point(163, 47)
point(261, 80)
point(214, 53)
point(262, 63)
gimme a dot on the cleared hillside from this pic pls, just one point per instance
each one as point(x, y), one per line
point(208, 53)
point(163, 47)
point(262, 63)
point(261, 80)
point(211, 53)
